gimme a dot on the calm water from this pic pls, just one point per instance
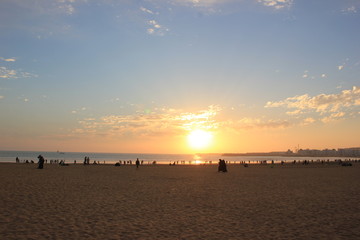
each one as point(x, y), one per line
point(110, 158)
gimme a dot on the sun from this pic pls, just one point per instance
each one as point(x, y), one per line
point(199, 139)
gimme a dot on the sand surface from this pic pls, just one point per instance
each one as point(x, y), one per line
point(179, 202)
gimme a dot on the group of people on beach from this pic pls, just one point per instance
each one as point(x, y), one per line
point(222, 166)
point(86, 160)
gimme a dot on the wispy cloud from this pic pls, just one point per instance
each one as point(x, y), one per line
point(169, 122)
point(8, 59)
point(277, 4)
point(145, 10)
point(6, 73)
point(66, 6)
point(350, 10)
point(329, 106)
point(201, 3)
point(156, 29)
point(256, 124)
point(333, 117)
point(321, 102)
point(160, 121)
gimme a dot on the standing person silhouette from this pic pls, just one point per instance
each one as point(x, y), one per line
point(137, 163)
point(41, 162)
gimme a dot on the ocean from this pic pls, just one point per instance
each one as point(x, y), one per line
point(112, 158)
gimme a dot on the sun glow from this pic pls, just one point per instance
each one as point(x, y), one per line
point(199, 139)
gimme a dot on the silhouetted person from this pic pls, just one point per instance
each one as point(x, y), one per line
point(41, 162)
point(222, 166)
point(137, 163)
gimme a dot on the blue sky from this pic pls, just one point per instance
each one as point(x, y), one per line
point(119, 76)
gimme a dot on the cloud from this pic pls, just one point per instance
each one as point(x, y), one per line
point(201, 3)
point(328, 107)
point(321, 102)
point(340, 67)
point(295, 112)
point(160, 121)
point(2, 97)
point(277, 4)
point(349, 10)
point(8, 59)
point(308, 121)
point(14, 74)
point(256, 124)
point(156, 29)
point(146, 10)
point(333, 117)
point(170, 122)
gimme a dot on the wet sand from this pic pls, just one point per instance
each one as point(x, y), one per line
point(179, 202)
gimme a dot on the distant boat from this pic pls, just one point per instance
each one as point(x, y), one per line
point(60, 152)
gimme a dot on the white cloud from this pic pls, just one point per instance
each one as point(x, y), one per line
point(308, 121)
point(321, 102)
point(295, 112)
point(8, 59)
point(256, 124)
point(14, 74)
point(159, 121)
point(201, 3)
point(351, 9)
point(156, 29)
point(329, 107)
point(333, 117)
point(146, 10)
point(277, 4)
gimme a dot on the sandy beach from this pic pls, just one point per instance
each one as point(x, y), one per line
point(179, 202)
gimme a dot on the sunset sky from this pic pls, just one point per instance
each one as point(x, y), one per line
point(156, 76)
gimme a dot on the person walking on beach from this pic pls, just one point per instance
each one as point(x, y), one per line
point(41, 162)
point(137, 163)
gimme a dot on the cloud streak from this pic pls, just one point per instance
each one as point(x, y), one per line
point(329, 107)
point(156, 29)
point(256, 124)
point(164, 121)
point(6, 73)
point(322, 102)
point(8, 59)
point(277, 4)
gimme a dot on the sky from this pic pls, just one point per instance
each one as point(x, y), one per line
point(179, 76)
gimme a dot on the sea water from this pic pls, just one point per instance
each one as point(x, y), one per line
point(111, 158)
point(107, 158)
